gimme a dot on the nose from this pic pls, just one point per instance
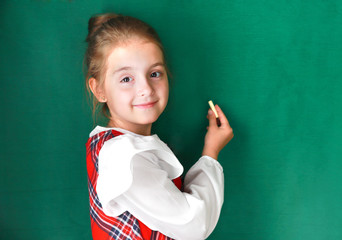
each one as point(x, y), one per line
point(145, 87)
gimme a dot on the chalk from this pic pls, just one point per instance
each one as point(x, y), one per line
point(211, 104)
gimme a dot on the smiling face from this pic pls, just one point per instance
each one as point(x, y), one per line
point(136, 87)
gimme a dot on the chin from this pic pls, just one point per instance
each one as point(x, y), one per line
point(149, 120)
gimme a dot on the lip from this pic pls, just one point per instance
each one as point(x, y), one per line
point(145, 105)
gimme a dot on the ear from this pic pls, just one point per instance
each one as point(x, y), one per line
point(98, 93)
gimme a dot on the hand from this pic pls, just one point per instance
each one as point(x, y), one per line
point(216, 137)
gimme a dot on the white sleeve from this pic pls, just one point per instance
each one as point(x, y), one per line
point(157, 202)
point(115, 166)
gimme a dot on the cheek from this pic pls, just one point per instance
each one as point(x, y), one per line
point(117, 97)
point(122, 97)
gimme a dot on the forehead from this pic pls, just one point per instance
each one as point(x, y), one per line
point(135, 54)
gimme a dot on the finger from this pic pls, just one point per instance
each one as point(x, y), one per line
point(212, 118)
point(222, 116)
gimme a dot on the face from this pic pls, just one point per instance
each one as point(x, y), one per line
point(136, 86)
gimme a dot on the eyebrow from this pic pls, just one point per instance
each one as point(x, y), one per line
point(128, 68)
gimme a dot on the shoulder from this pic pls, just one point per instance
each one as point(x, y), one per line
point(99, 136)
point(126, 146)
point(102, 132)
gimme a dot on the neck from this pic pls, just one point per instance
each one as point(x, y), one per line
point(144, 130)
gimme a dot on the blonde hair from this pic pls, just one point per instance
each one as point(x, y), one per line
point(105, 32)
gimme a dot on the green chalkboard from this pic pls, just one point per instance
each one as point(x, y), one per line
point(274, 67)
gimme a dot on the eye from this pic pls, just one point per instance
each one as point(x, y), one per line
point(126, 80)
point(155, 74)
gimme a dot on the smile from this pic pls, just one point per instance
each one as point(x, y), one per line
point(145, 105)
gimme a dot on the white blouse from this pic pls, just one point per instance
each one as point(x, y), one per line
point(135, 174)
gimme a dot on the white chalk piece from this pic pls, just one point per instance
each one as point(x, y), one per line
point(211, 104)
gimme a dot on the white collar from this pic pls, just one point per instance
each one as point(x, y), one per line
point(99, 129)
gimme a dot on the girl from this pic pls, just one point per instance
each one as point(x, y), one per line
point(133, 177)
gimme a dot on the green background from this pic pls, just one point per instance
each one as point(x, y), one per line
point(274, 67)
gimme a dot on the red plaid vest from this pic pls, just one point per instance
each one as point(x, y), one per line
point(104, 227)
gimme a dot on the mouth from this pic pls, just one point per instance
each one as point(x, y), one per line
point(145, 105)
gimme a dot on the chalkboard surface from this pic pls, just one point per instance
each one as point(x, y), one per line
point(274, 67)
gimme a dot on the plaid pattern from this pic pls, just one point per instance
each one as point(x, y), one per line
point(125, 226)
point(159, 236)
